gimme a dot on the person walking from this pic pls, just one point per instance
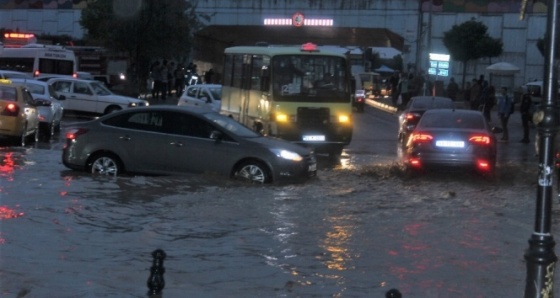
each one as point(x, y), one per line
point(525, 110)
point(164, 79)
point(170, 78)
point(476, 92)
point(394, 82)
point(488, 100)
point(505, 109)
point(179, 79)
point(403, 90)
point(452, 89)
point(156, 76)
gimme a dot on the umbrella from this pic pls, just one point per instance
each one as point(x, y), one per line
point(384, 68)
point(502, 68)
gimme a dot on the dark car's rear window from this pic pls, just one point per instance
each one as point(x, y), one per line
point(452, 120)
point(431, 103)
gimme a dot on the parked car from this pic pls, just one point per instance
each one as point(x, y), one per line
point(90, 96)
point(173, 139)
point(360, 100)
point(18, 113)
point(202, 95)
point(452, 138)
point(48, 105)
point(414, 110)
point(11, 74)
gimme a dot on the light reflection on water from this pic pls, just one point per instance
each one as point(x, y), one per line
point(344, 234)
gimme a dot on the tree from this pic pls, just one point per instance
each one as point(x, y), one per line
point(470, 41)
point(143, 29)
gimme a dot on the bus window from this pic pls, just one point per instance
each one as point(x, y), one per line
point(17, 64)
point(63, 67)
point(237, 71)
point(256, 72)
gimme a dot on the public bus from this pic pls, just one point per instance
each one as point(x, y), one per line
point(300, 94)
point(36, 59)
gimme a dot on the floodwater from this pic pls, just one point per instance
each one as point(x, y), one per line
point(353, 231)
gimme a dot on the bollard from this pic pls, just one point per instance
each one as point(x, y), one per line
point(393, 293)
point(155, 281)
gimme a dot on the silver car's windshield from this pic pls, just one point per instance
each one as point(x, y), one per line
point(231, 125)
point(100, 89)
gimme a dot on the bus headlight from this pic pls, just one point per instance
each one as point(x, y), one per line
point(343, 119)
point(281, 117)
point(285, 154)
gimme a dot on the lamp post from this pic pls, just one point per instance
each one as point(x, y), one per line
point(540, 257)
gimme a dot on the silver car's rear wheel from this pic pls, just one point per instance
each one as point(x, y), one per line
point(253, 171)
point(105, 164)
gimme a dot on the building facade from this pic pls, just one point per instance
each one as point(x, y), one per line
point(420, 24)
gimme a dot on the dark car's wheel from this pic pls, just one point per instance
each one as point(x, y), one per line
point(252, 171)
point(105, 164)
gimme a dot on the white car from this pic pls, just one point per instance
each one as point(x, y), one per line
point(202, 95)
point(92, 97)
point(49, 107)
point(11, 74)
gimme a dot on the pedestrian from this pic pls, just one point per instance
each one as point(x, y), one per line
point(505, 109)
point(488, 100)
point(394, 83)
point(179, 79)
point(525, 110)
point(476, 92)
point(164, 79)
point(208, 76)
point(467, 93)
point(403, 90)
point(418, 83)
point(156, 76)
point(170, 78)
point(452, 89)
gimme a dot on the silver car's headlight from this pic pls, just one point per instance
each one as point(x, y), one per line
point(285, 154)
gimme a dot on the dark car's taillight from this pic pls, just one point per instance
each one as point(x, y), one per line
point(74, 133)
point(420, 137)
point(480, 139)
point(10, 109)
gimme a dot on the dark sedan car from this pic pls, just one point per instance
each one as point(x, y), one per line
point(414, 111)
point(178, 139)
point(452, 138)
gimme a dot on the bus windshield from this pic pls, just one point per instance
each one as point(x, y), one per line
point(309, 78)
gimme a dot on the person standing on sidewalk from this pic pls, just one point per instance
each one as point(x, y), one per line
point(525, 110)
point(505, 109)
point(452, 89)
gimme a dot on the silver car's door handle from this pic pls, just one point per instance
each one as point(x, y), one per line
point(178, 144)
point(125, 138)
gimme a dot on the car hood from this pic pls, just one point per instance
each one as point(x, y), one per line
point(120, 98)
point(275, 143)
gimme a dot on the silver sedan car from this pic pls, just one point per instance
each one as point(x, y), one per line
point(176, 139)
point(48, 105)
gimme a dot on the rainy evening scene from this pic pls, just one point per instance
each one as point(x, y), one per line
point(279, 148)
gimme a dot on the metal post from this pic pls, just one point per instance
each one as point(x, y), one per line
point(540, 257)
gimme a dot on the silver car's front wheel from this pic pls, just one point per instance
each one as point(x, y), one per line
point(253, 171)
point(105, 164)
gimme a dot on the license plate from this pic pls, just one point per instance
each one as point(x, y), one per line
point(312, 168)
point(450, 144)
point(314, 138)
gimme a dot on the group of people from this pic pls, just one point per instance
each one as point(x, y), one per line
point(406, 85)
point(483, 97)
point(167, 77)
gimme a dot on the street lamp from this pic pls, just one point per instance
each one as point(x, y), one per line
point(540, 257)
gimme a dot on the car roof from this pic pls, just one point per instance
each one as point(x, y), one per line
point(21, 81)
point(70, 79)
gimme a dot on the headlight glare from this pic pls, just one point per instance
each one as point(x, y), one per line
point(285, 154)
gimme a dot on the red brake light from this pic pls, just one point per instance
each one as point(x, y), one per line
point(480, 139)
point(421, 138)
point(73, 134)
point(483, 165)
point(36, 73)
point(409, 116)
point(11, 107)
point(309, 47)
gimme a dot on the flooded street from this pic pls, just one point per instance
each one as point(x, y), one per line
point(358, 229)
point(347, 233)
